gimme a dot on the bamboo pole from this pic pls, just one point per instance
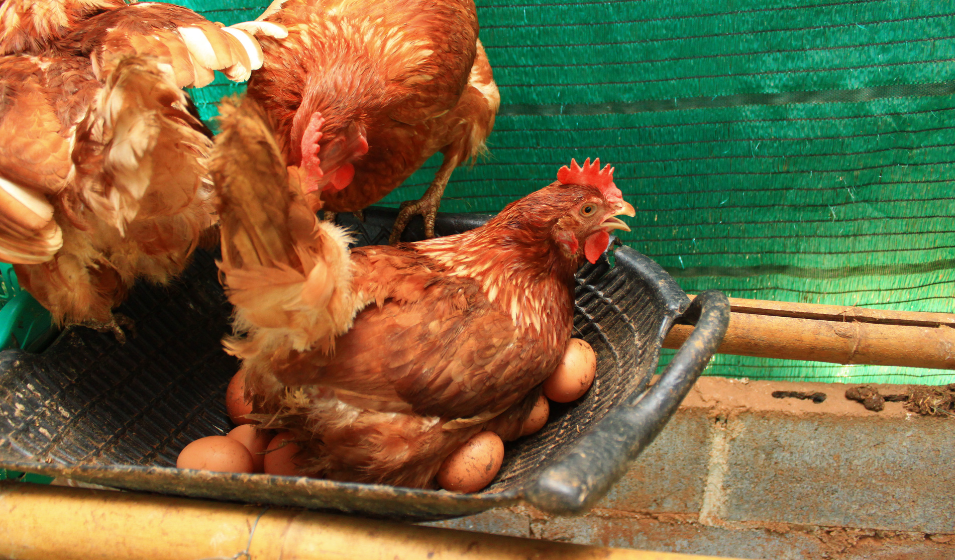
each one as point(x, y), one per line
point(834, 334)
point(53, 522)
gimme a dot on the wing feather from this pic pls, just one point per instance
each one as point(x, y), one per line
point(139, 153)
point(422, 310)
point(192, 45)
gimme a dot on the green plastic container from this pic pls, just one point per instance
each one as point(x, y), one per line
point(18, 476)
point(24, 323)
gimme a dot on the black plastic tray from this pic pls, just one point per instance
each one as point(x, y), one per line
point(97, 411)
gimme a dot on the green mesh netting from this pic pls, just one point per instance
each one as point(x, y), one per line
point(789, 150)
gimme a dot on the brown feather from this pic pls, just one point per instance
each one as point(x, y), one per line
point(102, 162)
point(123, 181)
point(193, 46)
point(287, 274)
point(397, 73)
point(30, 27)
point(138, 152)
point(35, 127)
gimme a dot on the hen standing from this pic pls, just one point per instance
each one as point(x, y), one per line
point(102, 161)
point(383, 360)
point(362, 93)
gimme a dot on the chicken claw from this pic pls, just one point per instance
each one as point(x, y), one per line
point(427, 206)
point(114, 325)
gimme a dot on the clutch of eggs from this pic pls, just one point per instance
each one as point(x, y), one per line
point(469, 469)
point(475, 464)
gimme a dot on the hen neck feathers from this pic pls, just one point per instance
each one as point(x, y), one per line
point(525, 273)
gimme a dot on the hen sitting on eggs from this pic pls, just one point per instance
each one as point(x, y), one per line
point(380, 362)
point(470, 468)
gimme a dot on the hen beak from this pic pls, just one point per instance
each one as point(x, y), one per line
point(612, 223)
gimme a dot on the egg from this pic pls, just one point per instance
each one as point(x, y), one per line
point(537, 418)
point(473, 465)
point(574, 375)
point(255, 440)
point(279, 456)
point(235, 402)
point(216, 453)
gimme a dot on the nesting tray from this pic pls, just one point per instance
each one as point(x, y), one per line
point(97, 411)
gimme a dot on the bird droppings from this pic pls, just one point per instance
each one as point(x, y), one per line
point(869, 397)
point(817, 397)
point(922, 400)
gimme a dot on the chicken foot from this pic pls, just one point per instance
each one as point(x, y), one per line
point(427, 206)
point(114, 325)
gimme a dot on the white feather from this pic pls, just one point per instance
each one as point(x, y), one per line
point(204, 75)
point(199, 47)
point(250, 45)
point(30, 199)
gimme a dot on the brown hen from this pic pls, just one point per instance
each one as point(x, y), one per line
point(362, 93)
point(383, 360)
point(103, 175)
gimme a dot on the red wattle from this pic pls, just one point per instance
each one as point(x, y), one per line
point(595, 246)
point(341, 178)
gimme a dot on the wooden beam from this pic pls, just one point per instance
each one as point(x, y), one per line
point(840, 313)
point(53, 522)
point(834, 334)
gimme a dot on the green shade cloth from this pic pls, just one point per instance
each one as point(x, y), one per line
point(786, 150)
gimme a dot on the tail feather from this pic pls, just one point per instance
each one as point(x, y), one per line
point(192, 45)
point(254, 195)
point(288, 275)
point(139, 153)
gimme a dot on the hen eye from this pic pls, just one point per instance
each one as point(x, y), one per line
point(587, 209)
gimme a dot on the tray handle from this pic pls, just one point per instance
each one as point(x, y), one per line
point(583, 476)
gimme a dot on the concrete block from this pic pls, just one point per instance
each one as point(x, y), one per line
point(893, 473)
point(669, 475)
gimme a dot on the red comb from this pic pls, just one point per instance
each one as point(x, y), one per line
point(590, 174)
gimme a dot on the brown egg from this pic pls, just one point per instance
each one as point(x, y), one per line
point(235, 402)
point(538, 417)
point(255, 440)
point(279, 456)
point(473, 465)
point(216, 453)
point(574, 375)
